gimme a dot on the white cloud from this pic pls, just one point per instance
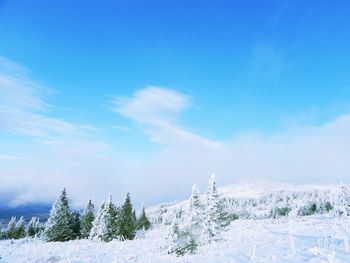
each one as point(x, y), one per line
point(152, 105)
point(53, 152)
point(157, 110)
point(22, 105)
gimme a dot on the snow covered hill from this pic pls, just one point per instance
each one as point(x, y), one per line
point(258, 200)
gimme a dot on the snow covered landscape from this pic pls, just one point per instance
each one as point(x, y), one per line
point(322, 236)
point(174, 131)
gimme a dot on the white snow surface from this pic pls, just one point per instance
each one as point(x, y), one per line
point(319, 238)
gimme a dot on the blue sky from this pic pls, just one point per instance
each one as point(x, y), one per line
point(222, 73)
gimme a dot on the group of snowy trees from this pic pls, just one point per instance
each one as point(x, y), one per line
point(111, 222)
point(202, 223)
point(18, 229)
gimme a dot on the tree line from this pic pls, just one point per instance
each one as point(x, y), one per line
point(110, 222)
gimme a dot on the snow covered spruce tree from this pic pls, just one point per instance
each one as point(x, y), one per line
point(34, 227)
point(195, 211)
point(343, 207)
point(213, 213)
point(59, 226)
point(105, 227)
point(126, 221)
point(76, 225)
point(179, 241)
point(113, 224)
point(20, 230)
point(11, 229)
point(184, 238)
point(143, 222)
point(86, 220)
point(99, 225)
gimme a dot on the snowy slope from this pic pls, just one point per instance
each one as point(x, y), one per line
point(304, 239)
point(264, 200)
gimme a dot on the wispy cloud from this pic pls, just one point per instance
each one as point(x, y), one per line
point(157, 111)
point(23, 107)
point(152, 105)
point(55, 152)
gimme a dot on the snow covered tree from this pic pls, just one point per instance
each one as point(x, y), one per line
point(59, 225)
point(86, 220)
point(195, 210)
point(99, 231)
point(344, 200)
point(178, 241)
point(20, 230)
point(143, 221)
point(126, 222)
point(105, 227)
point(33, 228)
point(213, 212)
point(134, 218)
point(11, 228)
point(112, 220)
point(75, 222)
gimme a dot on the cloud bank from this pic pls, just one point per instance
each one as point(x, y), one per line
point(51, 152)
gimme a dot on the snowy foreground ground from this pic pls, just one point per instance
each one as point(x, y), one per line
point(304, 239)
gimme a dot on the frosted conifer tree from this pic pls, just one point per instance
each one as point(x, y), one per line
point(76, 224)
point(143, 221)
point(213, 211)
point(195, 213)
point(59, 225)
point(86, 220)
point(344, 202)
point(32, 228)
point(11, 228)
point(99, 230)
point(20, 230)
point(179, 241)
point(105, 226)
point(173, 237)
point(127, 225)
point(112, 220)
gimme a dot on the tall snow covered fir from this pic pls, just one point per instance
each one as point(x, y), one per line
point(143, 222)
point(99, 229)
point(127, 224)
point(212, 214)
point(34, 227)
point(86, 220)
point(59, 226)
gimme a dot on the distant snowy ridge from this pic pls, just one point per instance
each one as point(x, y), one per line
point(258, 200)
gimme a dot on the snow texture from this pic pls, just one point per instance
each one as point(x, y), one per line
point(319, 238)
